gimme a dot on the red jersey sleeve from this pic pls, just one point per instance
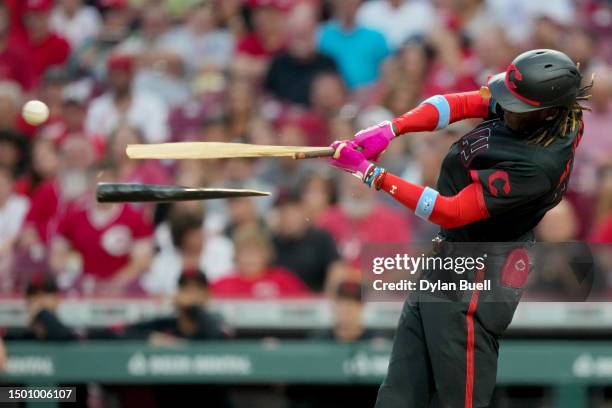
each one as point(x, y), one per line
point(439, 111)
point(455, 211)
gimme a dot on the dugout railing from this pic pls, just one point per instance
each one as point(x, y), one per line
point(307, 313)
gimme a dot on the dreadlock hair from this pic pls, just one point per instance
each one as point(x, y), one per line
point(567, 120)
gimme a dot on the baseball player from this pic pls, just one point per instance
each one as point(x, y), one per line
point(495, 185)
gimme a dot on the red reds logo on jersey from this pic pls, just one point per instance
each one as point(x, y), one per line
point(499, 175)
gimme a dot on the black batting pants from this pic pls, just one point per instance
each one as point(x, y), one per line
point(445, 350)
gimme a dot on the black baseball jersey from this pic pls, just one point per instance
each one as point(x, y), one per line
point(520, 181)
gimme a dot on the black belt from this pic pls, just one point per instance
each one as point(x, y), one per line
point(441, 245)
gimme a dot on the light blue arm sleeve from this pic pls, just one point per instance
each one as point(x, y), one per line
point(443, 107)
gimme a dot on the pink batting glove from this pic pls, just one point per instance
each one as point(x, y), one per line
point(348, 158)
point(374, 140)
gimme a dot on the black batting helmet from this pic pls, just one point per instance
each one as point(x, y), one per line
point(535, 80)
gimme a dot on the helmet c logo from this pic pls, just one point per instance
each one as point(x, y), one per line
point(499, 175)
point(517, 75)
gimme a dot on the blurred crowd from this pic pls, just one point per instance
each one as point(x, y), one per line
point(191, 320)
point(285, 72)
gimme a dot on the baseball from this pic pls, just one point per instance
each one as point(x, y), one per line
point(35, 112)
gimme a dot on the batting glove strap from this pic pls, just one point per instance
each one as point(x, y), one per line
point(378, 180)
point(374, 176)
